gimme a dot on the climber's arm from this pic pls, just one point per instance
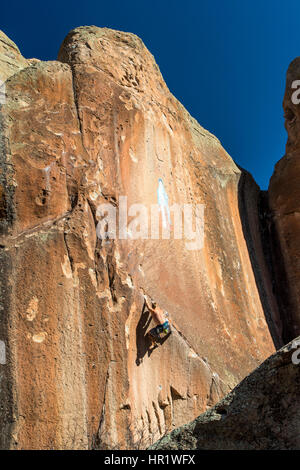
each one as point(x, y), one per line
point(148, 306)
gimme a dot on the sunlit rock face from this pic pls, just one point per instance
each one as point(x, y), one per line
point(284, 200)
point(96, 126)
point(11, 59)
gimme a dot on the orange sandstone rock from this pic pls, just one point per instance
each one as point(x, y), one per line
point(98, 124)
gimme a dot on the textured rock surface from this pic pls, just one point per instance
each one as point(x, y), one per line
point(284, 200)
point(11, 59)
point(97, 124)
point(261, 413)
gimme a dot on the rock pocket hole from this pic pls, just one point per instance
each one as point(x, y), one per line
point(222, 411)
point(41, 199)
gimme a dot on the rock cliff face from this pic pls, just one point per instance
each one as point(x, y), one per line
point(76, 371)
point(261, 413)
point(284, 197)
point(11, 59)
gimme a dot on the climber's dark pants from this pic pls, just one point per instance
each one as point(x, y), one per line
point(160, 331)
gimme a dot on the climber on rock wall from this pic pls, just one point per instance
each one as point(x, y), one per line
point(160, 317)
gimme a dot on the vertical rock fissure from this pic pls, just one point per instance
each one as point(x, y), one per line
point(68, 252)
point(7, 212)
point(252, 251)
point(77, 106)
point(7, 382)
point(102, 417)
point(274, 259)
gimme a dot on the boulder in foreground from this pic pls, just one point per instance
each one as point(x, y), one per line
point(261, 413)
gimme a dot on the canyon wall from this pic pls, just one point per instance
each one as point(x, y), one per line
point(95, 126)
point(284, 201)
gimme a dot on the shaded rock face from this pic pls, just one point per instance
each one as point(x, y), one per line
point(261, 413)
point(284, 202)
point(76, 369)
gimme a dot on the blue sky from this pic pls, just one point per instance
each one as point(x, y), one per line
point(225, 60)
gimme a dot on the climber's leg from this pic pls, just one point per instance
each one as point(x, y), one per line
point(153, 337)
point(158, 333)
